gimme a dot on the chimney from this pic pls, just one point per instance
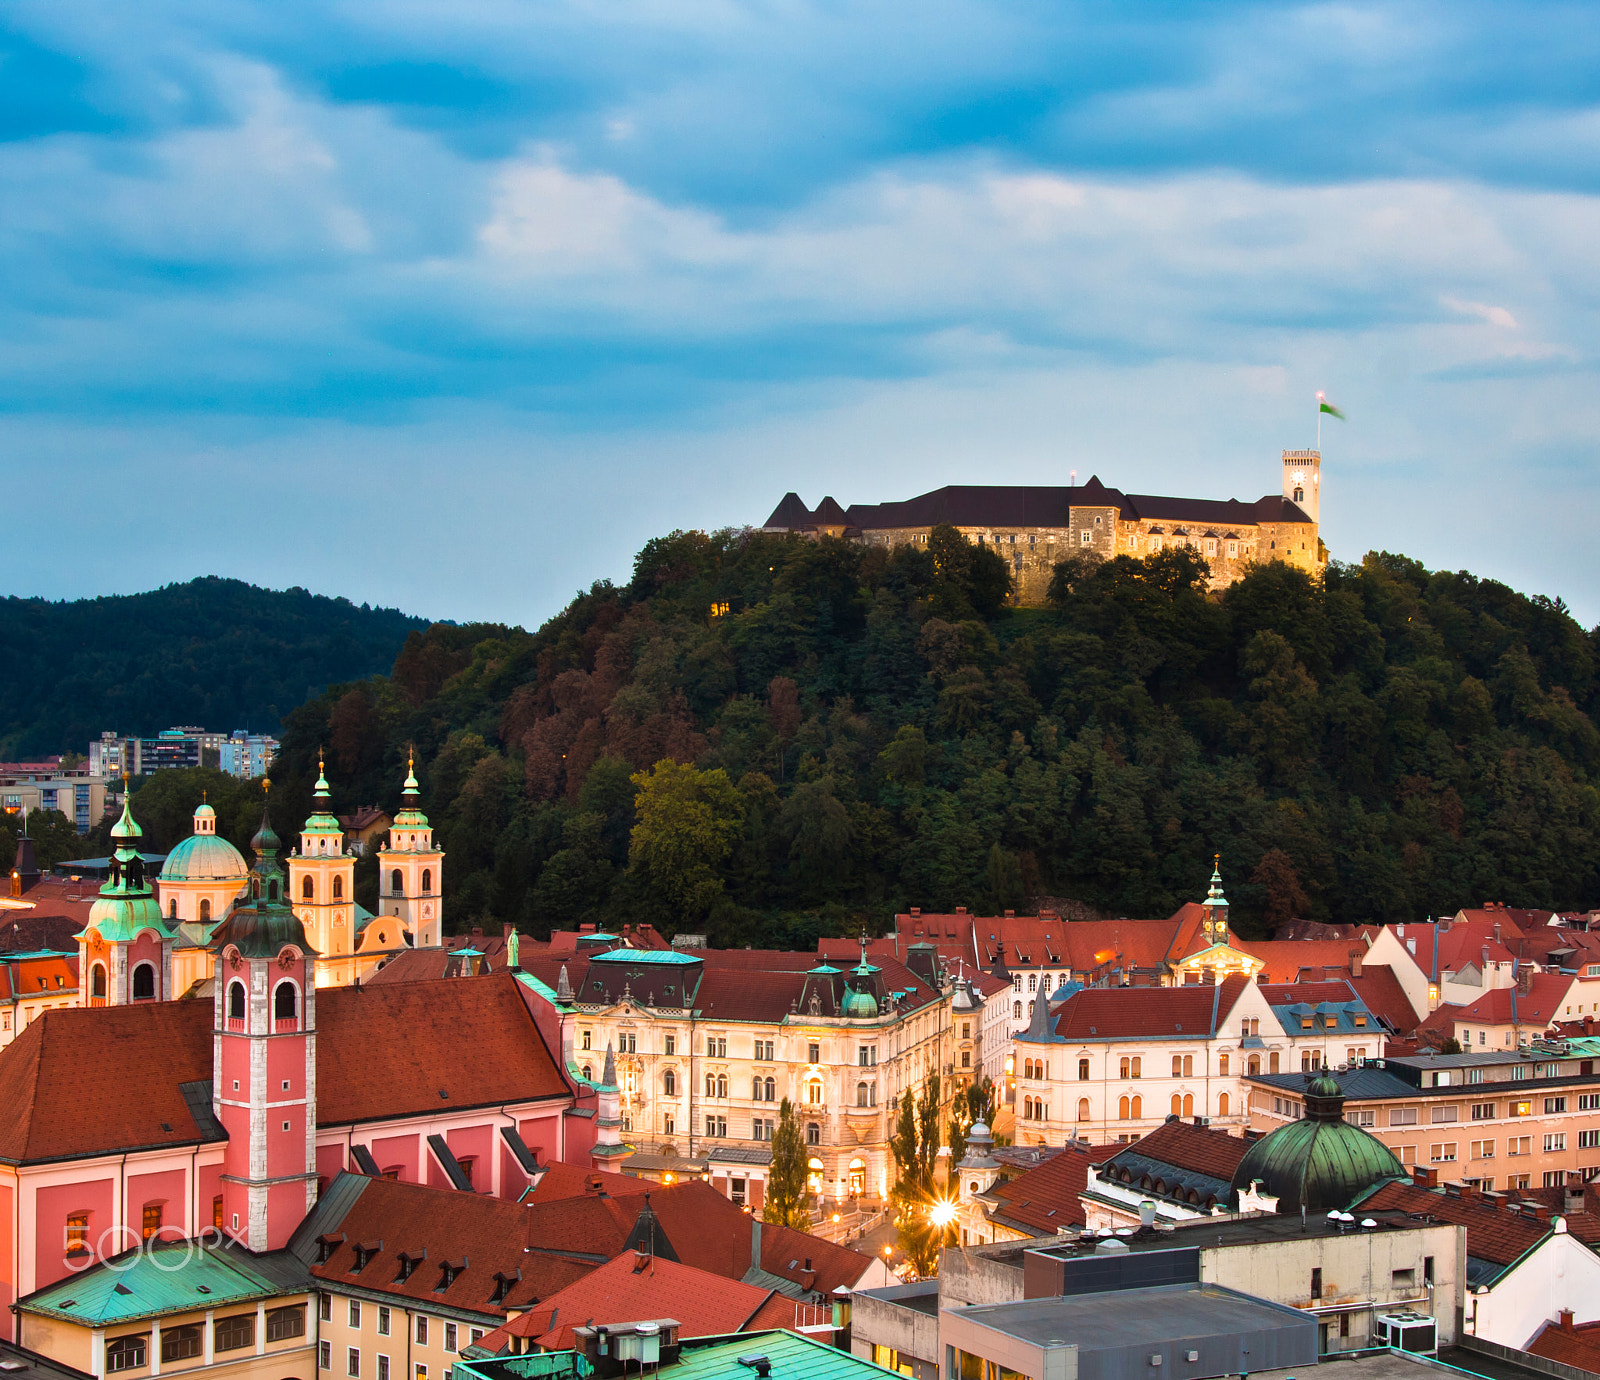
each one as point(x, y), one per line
point(1496, 931)
point(1565, 1320)
point(1355, 962)
point(1423, 1177)
point(1525, 981)
point(755, 1241)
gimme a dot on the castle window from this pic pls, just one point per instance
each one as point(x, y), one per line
point(1299, 495)
point(144, 982)
point(1086, 536)
point(305, 889)
point(338, 888)
point(97, 981)
point(427, 880)
point(285, 1002)
point(236, 1001)
point(205, 911)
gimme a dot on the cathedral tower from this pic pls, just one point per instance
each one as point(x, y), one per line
point(1302, 480)
point(125, 951)
point(264, 1065)
point(410, 867)
point(322, 879)
point(1215, 906)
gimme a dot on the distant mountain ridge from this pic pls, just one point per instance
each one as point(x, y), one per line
point(215, 652)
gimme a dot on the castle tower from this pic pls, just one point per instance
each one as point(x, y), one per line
point(1216, 906)
point(264, 1062)
point(410, 868)
point(322, 880)
point(1302, 480)
point(125, 951)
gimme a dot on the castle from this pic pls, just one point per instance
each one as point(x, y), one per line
point(1035, 526)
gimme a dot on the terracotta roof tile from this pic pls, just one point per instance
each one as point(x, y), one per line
point(1103, 1013)
point(1288, 960)
point(1383, 995)
point(1184, 1145)
point(1046, 1198)
point(1494, 1232)
point(1539, 1005)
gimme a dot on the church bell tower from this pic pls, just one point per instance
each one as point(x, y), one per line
point(1302, 480)
point(322, 879)
point(410, 869)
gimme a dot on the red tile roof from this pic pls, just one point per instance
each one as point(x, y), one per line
point(38, 977)
point(96, 1082)
point(1109, 1013)
point(1494, 1232)
point(1579, 1348)
point(574, 1181)
point(27, 931)
point(1383, 995)
point(1043, 1199)
point(397, 1051)
point(489, 1234)
point(1184, 1145)
point(1290, 960)
point(640, 1288)
point(1539, 1005)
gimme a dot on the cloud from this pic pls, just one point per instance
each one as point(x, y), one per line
point(1495, 316)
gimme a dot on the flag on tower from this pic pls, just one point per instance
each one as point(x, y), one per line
point(1323, 405)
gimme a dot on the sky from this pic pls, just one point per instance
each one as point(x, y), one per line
point(453, 306)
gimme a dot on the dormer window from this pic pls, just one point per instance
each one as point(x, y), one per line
point(408, 1263)
point(502, 1285)
point(327, 1245)
point(449, 1272)
point(364, 1253)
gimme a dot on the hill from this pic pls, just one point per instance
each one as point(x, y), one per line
point(219, 653)
point(861, 732)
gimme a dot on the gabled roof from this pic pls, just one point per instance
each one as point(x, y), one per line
point(638, 1288)
point(1538, 1006)
point(101, 1081)
point(1181, 1162)
point(1380, 989)
point(1333, 1006)
point(1044, 1199)
point(562, 1180)
point(1579, 1348)
point(1125, 1013)
point(37, 975)
point(1291, 960)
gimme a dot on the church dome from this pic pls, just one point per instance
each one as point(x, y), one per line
point(860, 1004)
point(1320, 1162)
point(205, 858)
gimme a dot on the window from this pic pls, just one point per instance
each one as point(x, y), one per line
point(1589, 1140)
point(1439, 1115)
point(1442, 1154)
point(97, 981)
point(1083, 1109)
point(383, 1322)
point(355, 1313)
point(1361, 1116)
point(1222, 1104)
point(449, 1336)
point(1519, 1181)
point(1083, 1070)
point(813, 1133)
point(1177, 1066)
point(1554, 1104)
point(761, 1129)
point(77, 1233)
point(1519, 1145)
point(397, 885)
point(1016, 1010)
point(1316, 1282)
point(338, 888)
point(152, 1220)
point(1402, 1116)
point(352, 1360)
point(585, 1037)
point(769, 1090)
point(717, 1047)
point(1272, 1063)
point(813, 1053)
point(1310, 1059)
point(764, 1052)
point(205, 911)
point(1222, 1065)
point(672, 1044)
point(325, 1307)
point(1555, 1140)
point(669, 1083)
point(422, 1330)
point(305, 889)
point(284, 1323)
point(427, 881)
point(1033, 982)
point(1588, 1102)
point(126, 1353)
point(1519, 1109)
point(181, 1343)
point(285, 1002)
point(1482, 1149)
point(1483, 1111)
point(144, 982)
point(716, 1125)
point(383, 1367)
point(324, 1355)
point(814, 1093)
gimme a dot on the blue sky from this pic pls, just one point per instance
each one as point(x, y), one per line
point(454, 306)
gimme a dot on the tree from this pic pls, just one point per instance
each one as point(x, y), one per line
point(975, 1102)
point(1284, 899)
point(786, 1179)
point(688, 823)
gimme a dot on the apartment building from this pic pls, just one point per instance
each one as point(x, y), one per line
point(708, 1042)
point(1497, 1120)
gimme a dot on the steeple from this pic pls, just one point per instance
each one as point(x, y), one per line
point(126, 948)
point(1216, 905)
point(322, 883)
point(410, 868)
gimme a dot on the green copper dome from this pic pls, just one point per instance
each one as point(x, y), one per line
point(1320, 1162)
point(262, 922)
point(859, 1003)
point(322, 820)
point(126, 904)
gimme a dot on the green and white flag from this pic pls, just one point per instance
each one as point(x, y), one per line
point(1323, 405)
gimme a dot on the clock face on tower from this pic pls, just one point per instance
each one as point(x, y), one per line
point(1299, 479)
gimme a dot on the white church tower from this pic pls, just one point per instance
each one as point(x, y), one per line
point(410, 869)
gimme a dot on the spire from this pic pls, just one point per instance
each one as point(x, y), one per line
point(410, 815)
point(563, 985)
point(1215, 897)
point(608, 1078)
point(321, 791)
point(411, 787)
point(126, 827)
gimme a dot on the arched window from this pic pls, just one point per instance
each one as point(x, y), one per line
point(427, 881)
point(272, 890)
point(711, 1085)
point(588, 1074)
point(1188, 1104)
point(305, 889)
point(97, 981)
point(144, 982)
point(722, 1085)
point(755, 1090)
point(397, 885)
point(1122, 1109)
point(285, 1002)
point(861, 1094)
point(1254, 1066)
point(172, 909)
point(338, 888)
point(669, 1083)
point(1222, 1065)
point(771, 1091)
point(814, 1093)
point(1138, 1110)
point(813, 1133)
point(1177, 1105)
point(205, 910)
point(1033, 982)
point(1083, 1070)
point(236, 1001)
point(1083, 1109)
point(1016, 1010)
point(1222, 1104)
point(1127, 1064)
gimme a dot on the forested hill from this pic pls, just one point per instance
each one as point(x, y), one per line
point(870, 731)
point(219, 653)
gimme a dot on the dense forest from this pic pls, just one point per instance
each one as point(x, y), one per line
point(218, 653)
point(766, 737)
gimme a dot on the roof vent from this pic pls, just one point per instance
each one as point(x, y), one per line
point(760, 1364)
